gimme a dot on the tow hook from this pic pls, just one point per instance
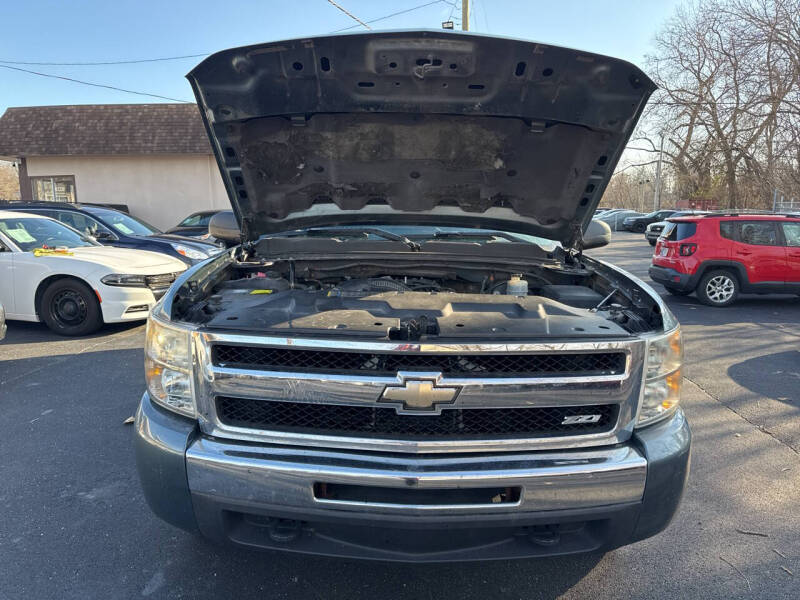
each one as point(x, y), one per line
point(544, 537)
point(283, 531)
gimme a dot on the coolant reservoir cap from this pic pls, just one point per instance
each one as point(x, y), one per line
point(517, 286)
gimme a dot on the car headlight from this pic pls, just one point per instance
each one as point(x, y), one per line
point(121, 280)
point(167, 367)
point(189, 252)
point(662, 378)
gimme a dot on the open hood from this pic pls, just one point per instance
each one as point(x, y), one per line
point(417, 127)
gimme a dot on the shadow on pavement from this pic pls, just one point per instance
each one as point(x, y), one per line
point(25, 332)
point(775, 376)
point(761, 310)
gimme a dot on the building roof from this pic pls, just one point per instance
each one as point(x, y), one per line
point(86, 129)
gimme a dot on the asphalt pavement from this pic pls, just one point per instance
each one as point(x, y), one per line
point(75, 524)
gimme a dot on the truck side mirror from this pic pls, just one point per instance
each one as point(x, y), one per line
point(223, 226)
point(597, 235)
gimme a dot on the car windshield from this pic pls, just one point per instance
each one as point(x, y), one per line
point(198, 220)
point(423, 232)
point(123, 223)
point(30, 233)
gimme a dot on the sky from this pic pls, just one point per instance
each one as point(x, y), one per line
point(102, 31)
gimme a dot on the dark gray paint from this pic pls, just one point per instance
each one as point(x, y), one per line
point(417, 126)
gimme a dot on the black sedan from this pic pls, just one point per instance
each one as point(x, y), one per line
point(115, 228)
point(639, 224)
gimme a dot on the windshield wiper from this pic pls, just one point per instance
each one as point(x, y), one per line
point(482, 236)
point(387, 235)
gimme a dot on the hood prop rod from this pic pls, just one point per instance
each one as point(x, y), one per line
point(603, 301)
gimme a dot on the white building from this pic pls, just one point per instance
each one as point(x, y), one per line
point(153, 158)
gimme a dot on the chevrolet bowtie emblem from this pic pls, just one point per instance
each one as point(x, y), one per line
point(418, 395)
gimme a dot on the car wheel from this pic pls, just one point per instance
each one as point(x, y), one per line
point(70, 307)
point(677, 292)
point(718, 288)
point(652, 242)
point(639, 227)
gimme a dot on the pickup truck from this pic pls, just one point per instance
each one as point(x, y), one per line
point(407, 355)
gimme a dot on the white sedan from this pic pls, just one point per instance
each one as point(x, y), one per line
point(50, 272)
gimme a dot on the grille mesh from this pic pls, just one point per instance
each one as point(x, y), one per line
point(335, 419)
point(505, 365)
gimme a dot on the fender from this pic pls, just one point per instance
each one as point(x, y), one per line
point(732, 265)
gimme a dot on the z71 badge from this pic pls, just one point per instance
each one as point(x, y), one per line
point(577, 419)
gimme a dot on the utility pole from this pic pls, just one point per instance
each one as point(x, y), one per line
point(657, 192)
point(464, 15)
point(642, 183)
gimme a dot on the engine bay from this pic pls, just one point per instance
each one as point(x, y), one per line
point(395, 300)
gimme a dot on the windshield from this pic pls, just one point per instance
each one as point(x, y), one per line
point(123, 223)
point(30, 233)
point(426, 232)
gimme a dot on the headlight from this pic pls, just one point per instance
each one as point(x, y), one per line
point(189, 252)
point(167, 367)
point(121, 280)
point(662, 378)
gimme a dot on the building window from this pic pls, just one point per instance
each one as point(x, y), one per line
point(55, 188)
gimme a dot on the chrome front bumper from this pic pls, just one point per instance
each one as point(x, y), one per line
point(284, 477)
point(263, 495)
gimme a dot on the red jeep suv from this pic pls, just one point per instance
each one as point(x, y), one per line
point(720, 255)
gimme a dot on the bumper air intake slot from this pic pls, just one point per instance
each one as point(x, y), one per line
point(363, 494)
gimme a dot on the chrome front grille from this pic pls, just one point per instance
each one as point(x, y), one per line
point(343, 420)
point(477, 365)
point(328, 393)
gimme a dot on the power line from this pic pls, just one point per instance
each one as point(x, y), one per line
point(452, 10)
point(401, 12)
point(485, 19)
point(349, 14)
point(453, 6)
point(7, 64)
point(100, 85)
point(110, 62)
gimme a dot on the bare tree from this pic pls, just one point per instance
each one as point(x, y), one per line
point(774, 25)
point(9, 182)
point(727, 104)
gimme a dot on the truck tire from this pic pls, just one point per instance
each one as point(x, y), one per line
point(70, 307)
point(718, 288)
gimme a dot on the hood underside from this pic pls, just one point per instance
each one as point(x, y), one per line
point(423, 127)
